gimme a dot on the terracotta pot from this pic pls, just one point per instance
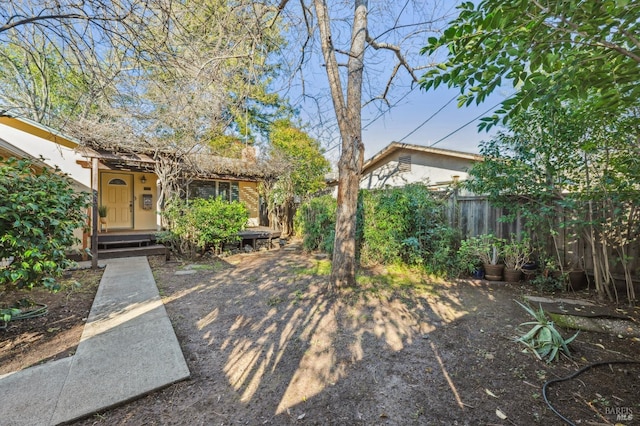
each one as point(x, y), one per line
point(493, 272)
point(512, 275)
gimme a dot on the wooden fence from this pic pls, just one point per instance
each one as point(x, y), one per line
point(474, 215)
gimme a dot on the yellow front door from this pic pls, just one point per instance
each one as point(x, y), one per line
point(117, 195)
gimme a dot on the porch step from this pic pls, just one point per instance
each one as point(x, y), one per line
point(121, 243)
point(123, 236)
point(149, 250)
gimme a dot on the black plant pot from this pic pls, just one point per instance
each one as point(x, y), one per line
point(478, 273)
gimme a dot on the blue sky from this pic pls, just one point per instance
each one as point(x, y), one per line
point(451, 128)
point(422, 118)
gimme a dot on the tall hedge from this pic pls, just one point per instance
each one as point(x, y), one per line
point(405, 225)
point(315, 221)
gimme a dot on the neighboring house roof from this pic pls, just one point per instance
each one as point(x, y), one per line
point(393, 147)
point(399, 164)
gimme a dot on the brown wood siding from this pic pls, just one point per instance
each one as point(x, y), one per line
point(249, 195)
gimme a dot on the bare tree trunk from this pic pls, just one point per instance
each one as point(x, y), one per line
point(628, 278)
point(625, 241)
point(609, 281)
point(288, 211)
point(349, 116)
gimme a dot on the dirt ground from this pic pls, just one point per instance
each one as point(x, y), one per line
point(29, 342)
point(266, 345)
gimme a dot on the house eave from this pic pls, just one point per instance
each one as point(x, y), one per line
point(38, 129)
point(397, 146)
point(140, 162)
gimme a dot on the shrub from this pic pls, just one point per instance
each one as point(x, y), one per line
point(315, 221)
point(203, 223)
point(394, 226)
point(406, 225)
point(39, 213)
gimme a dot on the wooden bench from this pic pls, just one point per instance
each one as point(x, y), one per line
point(254, 237)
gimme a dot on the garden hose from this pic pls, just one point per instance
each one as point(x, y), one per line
point(572, 376)
point(39, 311)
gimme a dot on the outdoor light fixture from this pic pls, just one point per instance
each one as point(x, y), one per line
point(143, 179)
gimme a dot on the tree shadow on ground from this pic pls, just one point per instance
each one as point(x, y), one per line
point(266, 345)
point(278, 344)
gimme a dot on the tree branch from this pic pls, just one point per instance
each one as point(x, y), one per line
point(33, 19)
point(573, 28)
point(395, 49)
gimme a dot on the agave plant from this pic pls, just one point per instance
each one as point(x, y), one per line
point(544, 340)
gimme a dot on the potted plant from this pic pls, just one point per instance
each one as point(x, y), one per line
point(516, 254)
point(102, 212)
point(550, 267)
point(468, 260)
point(488, 249)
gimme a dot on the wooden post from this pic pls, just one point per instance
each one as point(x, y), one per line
point(158, 204)
point(94, 213)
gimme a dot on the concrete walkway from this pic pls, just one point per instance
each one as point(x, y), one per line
point(128, 348)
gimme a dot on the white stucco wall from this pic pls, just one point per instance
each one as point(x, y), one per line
point(426, 168)
point(54, 155)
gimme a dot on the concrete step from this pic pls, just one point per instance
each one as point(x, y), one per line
point(119, 236)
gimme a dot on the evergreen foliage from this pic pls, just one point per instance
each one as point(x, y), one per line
point(39, 212)
point(394, 226)
point(315, 221)
point(203, 223)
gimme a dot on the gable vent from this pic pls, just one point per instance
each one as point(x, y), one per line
point(404, 163)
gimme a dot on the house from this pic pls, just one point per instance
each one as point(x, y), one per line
point(24, 138)
point(126, 182)
point(399, 164)
point(130, 189)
